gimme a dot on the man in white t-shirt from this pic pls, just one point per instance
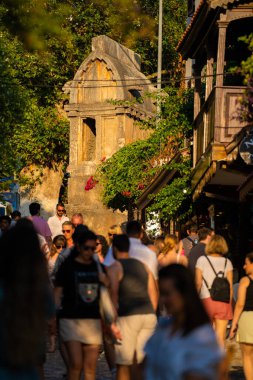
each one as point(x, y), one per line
point(140, 251)
point(137, 250)
point(55, 222)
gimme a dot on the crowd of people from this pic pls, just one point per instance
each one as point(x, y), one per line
point(160, 309)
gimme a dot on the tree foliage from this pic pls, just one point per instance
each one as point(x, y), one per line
point(32, 130)
point(132, 23)
point(33, 22)
point(128, 172)
point(42, 43)
point(246, 70)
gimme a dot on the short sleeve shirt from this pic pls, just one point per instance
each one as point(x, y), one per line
point(195, 253)
point(41, 226)
point(139, 252)
point(208, 273)
point(196, 353)
point(81, 289)
point(142, 253)
point(188, 243)
point(55, 224)
point(109, 259)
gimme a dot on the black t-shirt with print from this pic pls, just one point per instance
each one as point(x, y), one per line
point(80, 285)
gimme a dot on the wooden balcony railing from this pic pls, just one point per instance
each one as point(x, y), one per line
point(217, 120)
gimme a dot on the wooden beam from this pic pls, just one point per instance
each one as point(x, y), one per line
point(222, 25)
point(221, 197)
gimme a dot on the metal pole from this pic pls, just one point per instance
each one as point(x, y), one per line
point(160, 47)
point(160, 52)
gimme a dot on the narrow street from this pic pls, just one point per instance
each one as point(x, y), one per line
point(54, 368)
point(236, 366)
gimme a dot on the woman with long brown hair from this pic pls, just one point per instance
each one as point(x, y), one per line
point(24, 303)
point(184, 345)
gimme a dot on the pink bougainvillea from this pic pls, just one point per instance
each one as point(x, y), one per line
point(90, 184)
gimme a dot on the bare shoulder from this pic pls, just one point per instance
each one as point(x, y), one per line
point(244, 281)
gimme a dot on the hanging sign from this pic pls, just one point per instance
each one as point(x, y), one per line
point(246, 149)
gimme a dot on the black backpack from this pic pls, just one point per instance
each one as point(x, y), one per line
point(194, 242)
point(220, 289)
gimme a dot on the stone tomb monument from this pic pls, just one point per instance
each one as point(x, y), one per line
point(99, 128)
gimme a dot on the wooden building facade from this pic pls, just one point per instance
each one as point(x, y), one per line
point(222, 180)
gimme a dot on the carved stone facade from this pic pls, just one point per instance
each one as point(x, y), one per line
point(101, 123)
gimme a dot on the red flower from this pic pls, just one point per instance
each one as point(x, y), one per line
point(141, 186)
point(126, 194)
point(103, 159)
point(90, 184)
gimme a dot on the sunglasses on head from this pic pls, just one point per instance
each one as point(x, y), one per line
point(68, 231)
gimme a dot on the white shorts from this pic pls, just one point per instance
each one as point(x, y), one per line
point(245, 328)
point(87, 331)
point(135, 331)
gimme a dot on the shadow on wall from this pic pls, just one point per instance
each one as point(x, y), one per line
point(24, 209)
point(46, 193)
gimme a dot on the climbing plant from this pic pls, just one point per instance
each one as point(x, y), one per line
point(127, 173)
point(246, 70)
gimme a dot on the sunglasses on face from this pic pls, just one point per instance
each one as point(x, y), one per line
point(98, 243)
point(60, 210)
point(66, 231)
point(59, 246)
point(88, 248)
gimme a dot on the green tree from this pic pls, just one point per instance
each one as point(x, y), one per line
point(43, 43)
point(30, 131)
point(33, 22)
point(246, 70)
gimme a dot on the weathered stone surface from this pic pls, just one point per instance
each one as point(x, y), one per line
point(46, 192)
point(116, 50)
point(99, 127)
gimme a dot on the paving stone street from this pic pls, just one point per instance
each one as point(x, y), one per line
point(54, 368)
point(236, 365)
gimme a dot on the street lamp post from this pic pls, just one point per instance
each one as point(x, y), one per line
point(160, 47)
point(160, 52)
